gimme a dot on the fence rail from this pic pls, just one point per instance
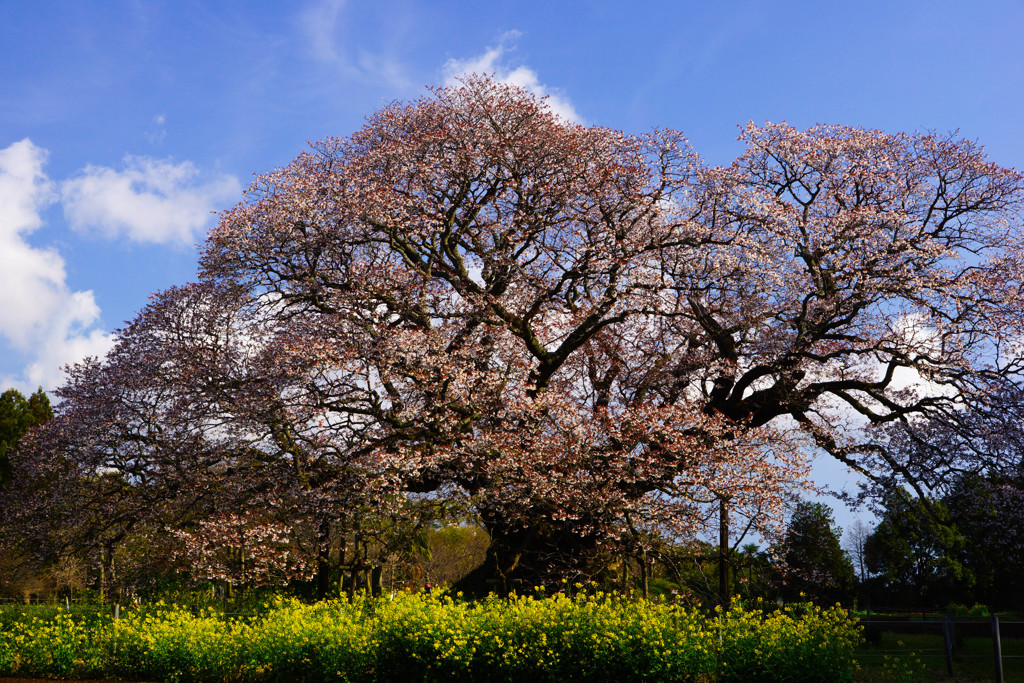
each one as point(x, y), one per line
point(950, 627)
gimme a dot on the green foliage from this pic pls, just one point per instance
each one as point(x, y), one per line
point(965, 547)
point(17, 415)
point(915, 552)
point(688, 572)
point(451, 552)
point(820, 569)
point(599, 637)
point(975, 610)
point(988, 511)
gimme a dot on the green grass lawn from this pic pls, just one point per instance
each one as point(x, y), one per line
point(914, 657)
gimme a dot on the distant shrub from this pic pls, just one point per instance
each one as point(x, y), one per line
point(975, 610)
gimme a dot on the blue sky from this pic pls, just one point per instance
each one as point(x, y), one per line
point(124, 125)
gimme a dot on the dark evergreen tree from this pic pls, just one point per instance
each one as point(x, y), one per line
point(988, 511)
point(965, 544)
point(916, 554)
point(17, 415)
point(818, 567)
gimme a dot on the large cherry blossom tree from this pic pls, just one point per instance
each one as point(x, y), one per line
point(579, 332)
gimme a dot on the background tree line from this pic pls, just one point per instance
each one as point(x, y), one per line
point(965, 547)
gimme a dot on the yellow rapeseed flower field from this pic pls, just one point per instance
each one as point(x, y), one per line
point(586, 637)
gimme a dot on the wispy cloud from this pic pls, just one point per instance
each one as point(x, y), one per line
point(495, 61)
point(149, 200)
point(40, 316)
point(158, 132)
point(320, 23)
point(323, 26)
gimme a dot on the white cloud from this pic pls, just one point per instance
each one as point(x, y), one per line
point(151, 200)
point(74, 337)
point(40, 316)
point(491, 62)
point(914, 332)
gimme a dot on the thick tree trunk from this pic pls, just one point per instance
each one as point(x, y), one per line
point(521, 557)
point(342, 552)
point(644, 574)
point(106, 571)
point(323, 560)
point(356, 566)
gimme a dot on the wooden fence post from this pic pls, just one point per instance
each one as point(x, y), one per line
point(947, 635)
point(997, 649)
